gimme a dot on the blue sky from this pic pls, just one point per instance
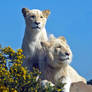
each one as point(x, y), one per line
point(69, 18)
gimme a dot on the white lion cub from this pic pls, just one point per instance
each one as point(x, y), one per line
point(55, 66)
point(35, 32)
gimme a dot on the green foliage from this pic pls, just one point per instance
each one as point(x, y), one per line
point(16, 78)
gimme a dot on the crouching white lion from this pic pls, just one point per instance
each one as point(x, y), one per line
point(55, 65)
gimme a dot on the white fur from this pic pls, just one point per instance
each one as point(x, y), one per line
point(33, 36)
point(55, 66)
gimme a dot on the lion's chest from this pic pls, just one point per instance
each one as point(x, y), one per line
point(34, 46)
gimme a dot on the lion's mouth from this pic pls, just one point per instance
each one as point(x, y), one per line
point(64, 58)
point(37, 27)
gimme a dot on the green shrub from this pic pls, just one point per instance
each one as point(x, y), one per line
point(16, 78)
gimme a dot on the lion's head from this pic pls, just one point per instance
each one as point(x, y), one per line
point(35, 18)
point(57, 52)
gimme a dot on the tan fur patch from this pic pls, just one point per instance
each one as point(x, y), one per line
point(46, 13)
point(62, 38)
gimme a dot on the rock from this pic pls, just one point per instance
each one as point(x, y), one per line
point(80, 87)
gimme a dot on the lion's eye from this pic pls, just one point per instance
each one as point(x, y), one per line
point(58, 46)
point(32, 16)
point(41, 16)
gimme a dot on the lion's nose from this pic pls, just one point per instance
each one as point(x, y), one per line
point(66, 53)
point(37, 23)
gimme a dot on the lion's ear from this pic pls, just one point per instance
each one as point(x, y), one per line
point(45, 44)
point(46, 13)
point(62, 38)
point(25, 11)
point(52, 37)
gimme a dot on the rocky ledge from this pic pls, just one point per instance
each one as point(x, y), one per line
point(80, 87)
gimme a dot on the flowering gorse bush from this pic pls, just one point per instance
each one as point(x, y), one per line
point(16, 78)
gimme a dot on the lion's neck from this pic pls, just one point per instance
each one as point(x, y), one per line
point(54, 74)
point(34, 35)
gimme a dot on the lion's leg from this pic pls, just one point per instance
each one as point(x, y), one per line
point(67, 85)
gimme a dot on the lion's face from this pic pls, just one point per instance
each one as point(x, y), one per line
point(58, 52)
point(35, 19)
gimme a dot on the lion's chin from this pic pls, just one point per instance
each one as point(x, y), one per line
point(38, 29)
point(64, 61)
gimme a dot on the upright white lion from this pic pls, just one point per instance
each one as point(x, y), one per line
point(55, 66)
point(35, 32)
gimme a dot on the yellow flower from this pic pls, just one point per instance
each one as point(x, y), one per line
point(3, 69)
point(11, 80)
point(32, 89)
point(18, 53)
point(15, 64)
point(12, 54)
point(17, 61)
point(16, 81)
point(18, 75)
point(13, 51)
point(13, 90)
point(20, 50)
point(24, 77)
point(19, 57)
point(59, 90)
point(28, 76)
point(35, 90)
point(4, 89)
point(24, 71)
